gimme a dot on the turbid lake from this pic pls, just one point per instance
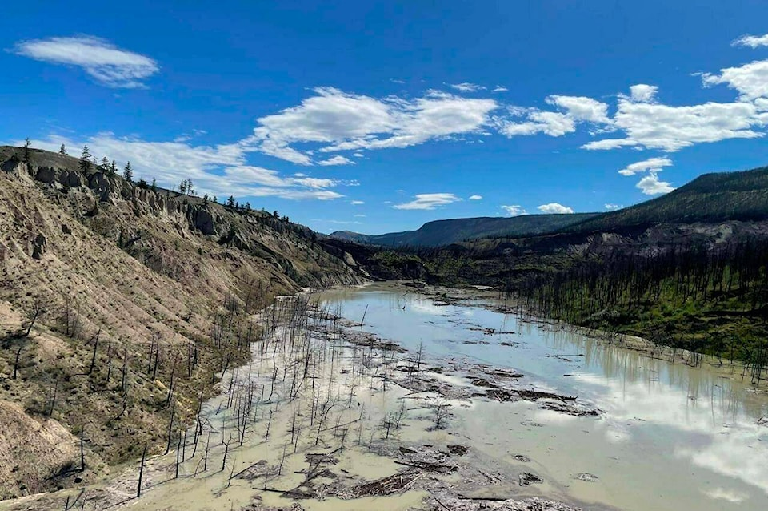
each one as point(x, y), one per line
point(670, 436)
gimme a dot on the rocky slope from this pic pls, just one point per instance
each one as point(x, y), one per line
point(119, 308)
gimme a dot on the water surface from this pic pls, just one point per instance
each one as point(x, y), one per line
point(671, 436)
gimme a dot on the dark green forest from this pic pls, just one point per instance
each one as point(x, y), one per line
point(686, 270)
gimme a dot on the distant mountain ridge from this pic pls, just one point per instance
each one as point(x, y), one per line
point(449, 231)
point(709, 198)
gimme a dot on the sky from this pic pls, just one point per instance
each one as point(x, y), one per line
point(373, 118)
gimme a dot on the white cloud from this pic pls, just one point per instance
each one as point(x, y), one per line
point(172, 162)
point(651, 185)
point(103, 61)
point(428, 201)
point(643, 93)
point(577, 109)
point(336, 160)
point(612, 206)
point(356, 202)
point(668, 128)
point(581, 108)
point(751, 41)
point(514, 210)
point(499, 89)
point(749, 80)
point(337, 121)
point(359, 215)
point(467, 87)
point(725, 494)
point(316, 183)
point(277, 149)
point(538, 121)
point(476, 197)
point(555, 208)
point(648, 124)
point(653, 165)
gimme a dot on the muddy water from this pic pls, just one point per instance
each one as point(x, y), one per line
point(670, 437)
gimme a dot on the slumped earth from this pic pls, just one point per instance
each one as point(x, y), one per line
point(384, 397)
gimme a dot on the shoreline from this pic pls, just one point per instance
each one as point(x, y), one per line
point(674, 355)
point(423, 461)
point(377, 447)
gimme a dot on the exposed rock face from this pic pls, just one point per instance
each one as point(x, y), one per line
point(100, 185)
point(13, 166)
point(39, 246)
point(203, 221)
point(349, 260)
point(71, 178)
point(295, 253)
point(46, 174)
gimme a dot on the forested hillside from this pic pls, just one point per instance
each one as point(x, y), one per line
point(710, 198)
point(450, 231)
point(687, 269)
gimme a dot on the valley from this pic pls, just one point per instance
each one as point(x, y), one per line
point(381, 397)
point(165, 351)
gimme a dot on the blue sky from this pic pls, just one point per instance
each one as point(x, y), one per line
point(377, 118)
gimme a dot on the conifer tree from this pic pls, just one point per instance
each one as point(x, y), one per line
point(62, 150)
point(128, 174)
point(85, 160)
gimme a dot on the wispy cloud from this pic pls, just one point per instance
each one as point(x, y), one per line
point(467, 87)
point(751, 41)
point(555, 208)
point(106, 63)
point(428, 201)
point(336, 160)
point(612, 206)
point(749, 80)
point(499, 89)
point(514, 210)
point(476, 197)
point(653, 165)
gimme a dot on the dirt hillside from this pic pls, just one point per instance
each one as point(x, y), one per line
point(135, 299)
